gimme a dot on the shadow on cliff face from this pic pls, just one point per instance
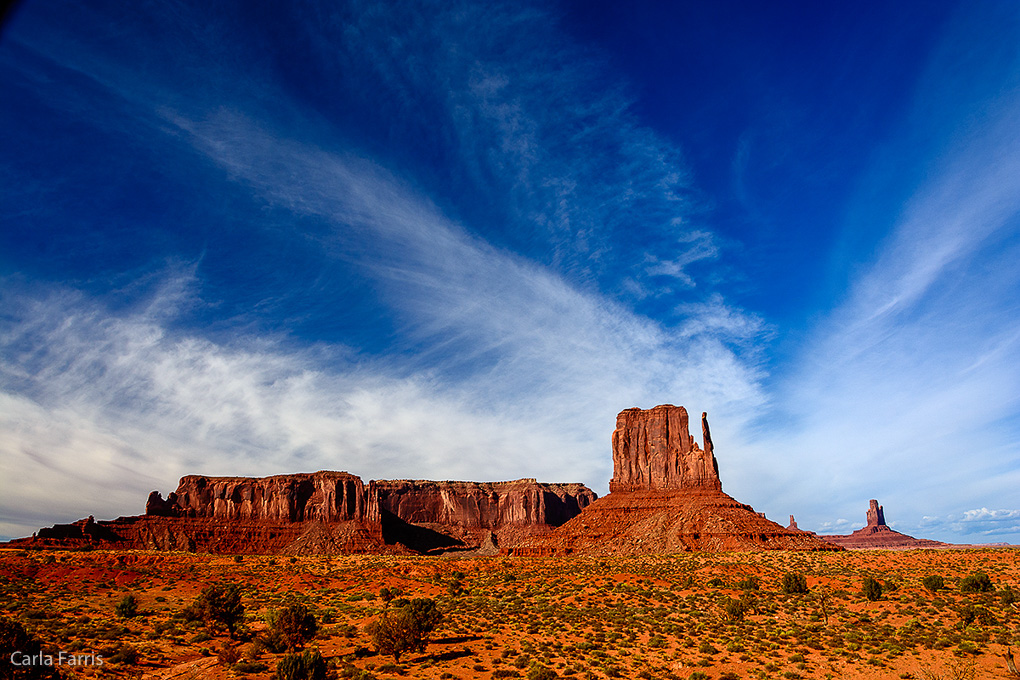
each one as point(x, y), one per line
point(418, 538)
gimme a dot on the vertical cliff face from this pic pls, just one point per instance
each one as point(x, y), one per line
point(876, 514)
point(653, 450)
point(321, 496)
point(336, 511)
point(481, 505)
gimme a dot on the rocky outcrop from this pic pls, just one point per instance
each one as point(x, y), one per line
point(482, 505)
point(329, 513)
point(876, 535)
point(654, 450)
point(665, 497)
point(430, 516)
point(792, 526)
point(324, 496)
point(875, 515)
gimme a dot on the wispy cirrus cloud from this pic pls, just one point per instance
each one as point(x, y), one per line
point(505, 357)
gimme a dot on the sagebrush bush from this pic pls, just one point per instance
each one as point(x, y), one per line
point(127, 607)
point(405, 628)
point(308, 665)
point(794, 583)
point(977, 582)
point(218, 604)
point(871, 589)
point(290, 628)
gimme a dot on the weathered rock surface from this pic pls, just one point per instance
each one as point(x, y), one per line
point(876, 535)
point(653, 450)
point(324, 496)
point(329, 513)
point(430, 516)
point(665, 497)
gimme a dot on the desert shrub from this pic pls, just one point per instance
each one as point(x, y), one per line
point(716, 582)
point(405, 628)
point(354, 673)
point(1007, 596)
point(127, 608)
point(871, 589)
point(539, 672)
point(125, 654)
point(976, 583)
point(749, 583)
point(505, 673)
point(794, 583)
point(933, 583)
point(308, 665)
point(698, 675)
point(245, 667)
point(389, 594)
point(290, 628)
point(218, 604)
point(734, 609)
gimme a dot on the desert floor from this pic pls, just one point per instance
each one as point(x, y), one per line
point(641, 617)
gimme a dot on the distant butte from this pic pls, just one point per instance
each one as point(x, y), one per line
point(876, 535)
point(665, 497)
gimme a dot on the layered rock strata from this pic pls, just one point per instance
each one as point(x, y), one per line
point(330, 513)
point(665, 497)
point(654, 450)
point(877, 535)
point(433, 515)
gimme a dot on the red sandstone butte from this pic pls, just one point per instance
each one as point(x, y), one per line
point(876, 535)
point(330, 513)
point(665, 497)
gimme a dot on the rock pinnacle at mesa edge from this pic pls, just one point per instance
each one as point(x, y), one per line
point(653, 450)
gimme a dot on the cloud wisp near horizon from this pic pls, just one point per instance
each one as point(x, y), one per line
point(437, 241)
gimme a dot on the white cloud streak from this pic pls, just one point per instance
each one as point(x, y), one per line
point(508, 367)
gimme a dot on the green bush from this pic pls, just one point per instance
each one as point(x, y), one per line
point(245, 667)
point(539, 672)
point(933, 583)
point(290, 628)
point(305, 666)
point(976, 583)
point(1007, 596)
point(734, 609)
point(389, 594)
point(218, 604)
point(794, 583)
point(127, 608)
point(749, 583)
point(871, 589)
point(405, 628)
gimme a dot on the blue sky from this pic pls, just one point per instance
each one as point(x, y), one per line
point(452, 240)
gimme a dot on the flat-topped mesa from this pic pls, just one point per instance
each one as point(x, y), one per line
point(653, 450)
point(321, 496)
